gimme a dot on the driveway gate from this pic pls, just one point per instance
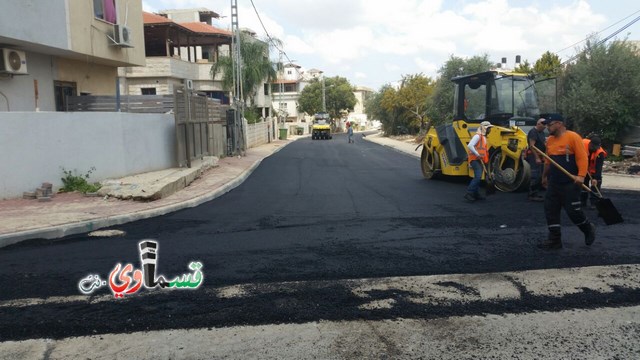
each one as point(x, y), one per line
point(196, 117)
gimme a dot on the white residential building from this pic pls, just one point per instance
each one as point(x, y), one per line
point(179, 54)
point(358, 115)
point(76, 51)
point(285, 92)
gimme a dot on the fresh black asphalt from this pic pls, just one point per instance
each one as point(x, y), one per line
point(315, 212)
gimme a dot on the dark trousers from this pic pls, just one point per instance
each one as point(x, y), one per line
point(535, 184)
point(584, 194)
point(565, 196)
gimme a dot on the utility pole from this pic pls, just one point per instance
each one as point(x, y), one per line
point(281, 115)
point(324, 101)
point(237, 81)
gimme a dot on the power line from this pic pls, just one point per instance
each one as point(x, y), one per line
point(273, 42)
point(605, 39)
point(603, 30)
point(263, 27)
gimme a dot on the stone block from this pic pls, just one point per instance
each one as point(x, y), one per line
point(29, 195)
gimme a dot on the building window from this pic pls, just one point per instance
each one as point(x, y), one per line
point(62, 90)
point(105, 10)
point(266, 89)
point(288, 72)
point(148, 91)
point(290, 87)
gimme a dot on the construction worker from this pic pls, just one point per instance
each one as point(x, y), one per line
point(594, 180)
point(536, 137)
point(565, 147)
point(478, 154)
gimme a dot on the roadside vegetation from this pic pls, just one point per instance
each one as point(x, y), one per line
point(597, 91)
point(73, 181)
point(338, 96)
point(256, 69)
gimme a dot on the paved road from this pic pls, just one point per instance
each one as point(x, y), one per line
point(331, 233)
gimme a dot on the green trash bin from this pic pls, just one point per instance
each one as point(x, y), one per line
point(283, 134)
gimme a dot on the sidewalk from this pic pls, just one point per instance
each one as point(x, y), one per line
point(610, 181)
point(73, 213)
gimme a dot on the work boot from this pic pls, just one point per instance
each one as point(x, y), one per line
point(469, 197)
point(553, 241)
point(589, 230)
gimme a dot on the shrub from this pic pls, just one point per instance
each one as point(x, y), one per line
point(72, 181)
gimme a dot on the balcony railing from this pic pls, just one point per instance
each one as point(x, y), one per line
point(175, 68)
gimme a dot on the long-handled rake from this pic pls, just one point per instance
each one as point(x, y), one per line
point(606, 210)
point(488, 178)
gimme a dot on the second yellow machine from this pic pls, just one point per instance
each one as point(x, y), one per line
point(512, 103)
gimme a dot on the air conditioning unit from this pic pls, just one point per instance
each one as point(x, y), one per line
point(13, 62)
point(121, 36)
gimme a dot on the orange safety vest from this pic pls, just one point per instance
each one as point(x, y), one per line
point(594, 156)
point(481, 148)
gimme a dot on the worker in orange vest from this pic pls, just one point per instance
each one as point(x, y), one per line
point(478, 154)
point(596, 159)
point(566, 149)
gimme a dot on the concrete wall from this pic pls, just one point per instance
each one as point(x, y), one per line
point(35, 146)
point(166, 72)
point(39, 22)
point(19, 90)
point(256, 134)
point(90, 78)
point(158, 66)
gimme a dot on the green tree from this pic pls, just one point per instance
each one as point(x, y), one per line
point(600, 89)
point(376, 111)
point(440, 109)
point(310, 100)
point(413, 95)
point(524, 67)
point(256, 67)
point(548, 65)
point(372, 106)
point(339, 96)
point(396, 120)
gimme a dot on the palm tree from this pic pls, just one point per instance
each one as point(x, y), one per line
point(256, 66)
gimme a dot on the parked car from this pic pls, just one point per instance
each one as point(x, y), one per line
point(630, 149)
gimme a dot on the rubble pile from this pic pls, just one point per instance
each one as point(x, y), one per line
point(629, 166)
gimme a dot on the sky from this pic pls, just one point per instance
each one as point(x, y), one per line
point(375, 42)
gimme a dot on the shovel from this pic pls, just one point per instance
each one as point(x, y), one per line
point(605, 207)
point(606, 210)
point(491, 186)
